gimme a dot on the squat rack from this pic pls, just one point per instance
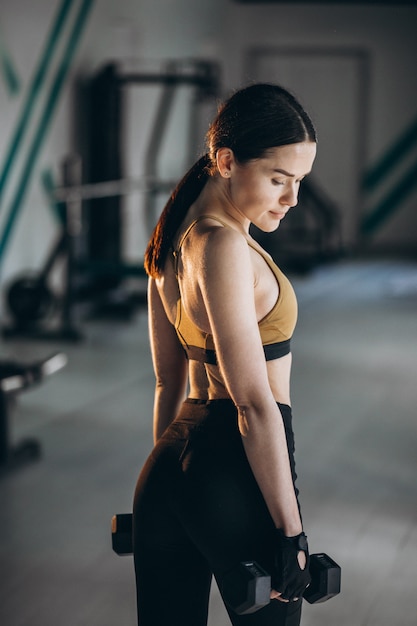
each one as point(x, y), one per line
point(201, 75)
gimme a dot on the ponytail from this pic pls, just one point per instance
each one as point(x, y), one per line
point(175, 210)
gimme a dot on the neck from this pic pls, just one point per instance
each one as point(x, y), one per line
point(215, 200)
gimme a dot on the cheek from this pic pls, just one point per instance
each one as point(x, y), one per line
point(248, 192)
point(254, 194)
point(261, 192)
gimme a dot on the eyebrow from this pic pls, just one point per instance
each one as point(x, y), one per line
point(280, 171)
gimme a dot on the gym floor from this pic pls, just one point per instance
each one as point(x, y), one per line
point(354, 398)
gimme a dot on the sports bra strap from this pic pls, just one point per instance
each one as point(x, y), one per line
point(185, 234)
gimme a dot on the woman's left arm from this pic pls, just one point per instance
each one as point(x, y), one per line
point(169, 362)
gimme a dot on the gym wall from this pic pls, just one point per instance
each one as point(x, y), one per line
point(134, 31)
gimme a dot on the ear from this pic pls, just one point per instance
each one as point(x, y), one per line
point(224, 159)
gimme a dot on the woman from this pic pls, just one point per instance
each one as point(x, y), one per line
point(219, 486)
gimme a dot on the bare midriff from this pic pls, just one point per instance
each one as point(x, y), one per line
point(206, 382)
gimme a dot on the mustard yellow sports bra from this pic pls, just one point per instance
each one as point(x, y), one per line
point(276, 328)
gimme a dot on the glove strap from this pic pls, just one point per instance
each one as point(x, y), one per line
point(299, 542)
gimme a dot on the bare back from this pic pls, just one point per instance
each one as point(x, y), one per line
point(197, 283)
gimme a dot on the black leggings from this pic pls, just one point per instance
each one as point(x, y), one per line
point(198, 511)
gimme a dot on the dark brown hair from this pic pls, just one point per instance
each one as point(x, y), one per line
point(251, 121)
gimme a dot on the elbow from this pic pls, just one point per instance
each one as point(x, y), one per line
point(242, 421)
point(254, 416)
point(248, 417)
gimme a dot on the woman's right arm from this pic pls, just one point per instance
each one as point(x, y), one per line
point(227, 283)
point(226, 280)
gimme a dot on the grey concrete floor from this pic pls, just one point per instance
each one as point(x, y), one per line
point(355, 404)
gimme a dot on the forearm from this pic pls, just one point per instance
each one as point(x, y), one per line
point(265, 444)
point(166, 406)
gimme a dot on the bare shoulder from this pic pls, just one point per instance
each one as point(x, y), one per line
point(216, 271)
point(221, 246)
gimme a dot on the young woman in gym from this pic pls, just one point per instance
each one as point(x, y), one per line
point(219, 485)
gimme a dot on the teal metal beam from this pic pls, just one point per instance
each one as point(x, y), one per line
point(8, 70)
point(45, 120)
point(392, 200)
point(406, 142)
point(49, 186)
point(34, 91)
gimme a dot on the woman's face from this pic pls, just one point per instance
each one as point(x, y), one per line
point(263, 190)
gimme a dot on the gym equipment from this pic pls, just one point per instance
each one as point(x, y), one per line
point(247, 587)
point(103, 264)
point(16, 377)
point(92, 215)
point(121, 534)
point(107, 96)
point(29, 298)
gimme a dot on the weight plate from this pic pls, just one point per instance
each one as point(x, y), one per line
point(29, 300)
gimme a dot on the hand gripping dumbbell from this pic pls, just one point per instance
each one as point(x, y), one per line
point(247, 587)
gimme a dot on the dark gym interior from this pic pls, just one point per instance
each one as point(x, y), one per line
point(103, 107)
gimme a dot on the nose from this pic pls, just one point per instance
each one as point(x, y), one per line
point(290, 197)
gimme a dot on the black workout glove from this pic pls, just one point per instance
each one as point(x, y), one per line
point(288, 578)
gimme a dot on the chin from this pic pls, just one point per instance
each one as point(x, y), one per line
point(269, 227)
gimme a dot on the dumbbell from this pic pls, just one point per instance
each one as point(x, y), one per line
point(121, 533)
point(247, 588)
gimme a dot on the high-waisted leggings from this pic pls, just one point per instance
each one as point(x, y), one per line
point(198, 512)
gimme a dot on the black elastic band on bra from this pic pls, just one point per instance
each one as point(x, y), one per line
point(272, 351)
point(277, 350)
point(201, 354)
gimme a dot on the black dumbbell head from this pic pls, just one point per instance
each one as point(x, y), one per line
point(325, 579)
point(247, 588)
point(121, 533)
